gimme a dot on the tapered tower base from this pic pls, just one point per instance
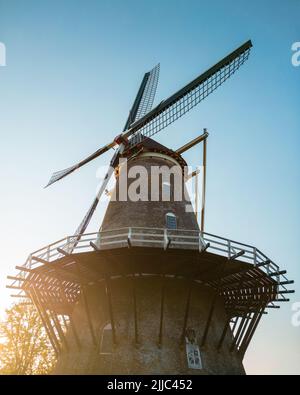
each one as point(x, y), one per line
point(145, 332)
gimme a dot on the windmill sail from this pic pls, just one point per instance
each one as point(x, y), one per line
point(145, 96)
point(142, 104)
point(168, 111)
point(147, 100)
point(63, 173)
point(69, 247)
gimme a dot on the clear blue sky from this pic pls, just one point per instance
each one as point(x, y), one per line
point(73, 68)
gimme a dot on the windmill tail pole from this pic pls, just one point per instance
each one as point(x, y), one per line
point(191, 144)
point(203, 182)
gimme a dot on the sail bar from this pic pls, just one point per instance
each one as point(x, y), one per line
point(188, 97)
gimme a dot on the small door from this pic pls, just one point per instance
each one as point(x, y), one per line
point(106, 344)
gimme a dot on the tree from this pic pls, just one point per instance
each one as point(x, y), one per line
point(24, 345)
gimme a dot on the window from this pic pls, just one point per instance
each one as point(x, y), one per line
point(171, 221)
point(166, 192)
point(106, 344)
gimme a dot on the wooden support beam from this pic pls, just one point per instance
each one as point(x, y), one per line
point(74, 331)
point(38, 259)
point(13, 278)
point(207, 245)
point(93, 245)
point(162, 301)
point(291, 291)
point(110, 310)
point(26, 304)
point(223, 334)
point(235, 324)
point(193, 142)
point(256, 277)
point(84, 296)
point(253, 324)
point(237, 287)
point(242, 295)
point(203, 185)
point(78, 265)
point(212, 307)
point(241, 281)
point(240, 327)
point(45, 321)
point(57, 325)
point(59, 329)
point(24, 269)
point(136, 336)
point(209, 318)
point(196, 194)
point(242, 330)
point(247, 331)
point(58, 272)
point(168, 244)
point(65, 322)
point(46, 317)
point(279, 273)
point(253, 329)
point(192, 174)
point(62, 293)
point(237, 255)
point(13, 287)
point(267, 262)
point(56, 351)
point(187, 309)
point(286, 282)
point(88, 314)
point(63, 252)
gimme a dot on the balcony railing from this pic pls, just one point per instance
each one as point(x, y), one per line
point(158, 238)
point(154, 237)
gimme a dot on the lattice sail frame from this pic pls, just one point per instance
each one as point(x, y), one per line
point(147, 100)
point(189, 100)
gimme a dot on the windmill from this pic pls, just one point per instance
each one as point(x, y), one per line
point(151, 292)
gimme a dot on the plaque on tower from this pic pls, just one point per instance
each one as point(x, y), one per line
point(193, 356)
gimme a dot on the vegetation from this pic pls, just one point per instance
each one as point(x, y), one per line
point(24, 345)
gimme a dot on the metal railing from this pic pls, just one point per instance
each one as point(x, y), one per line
point(155, 237)
point(159, 238)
